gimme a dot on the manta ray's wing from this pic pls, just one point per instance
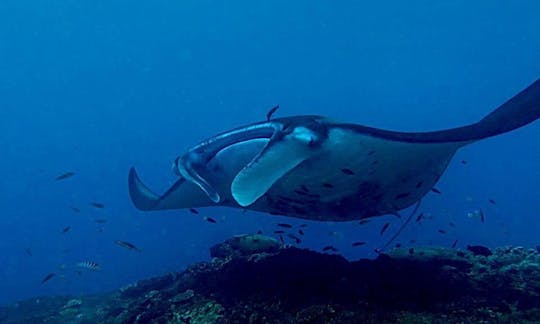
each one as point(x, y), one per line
point(376, 170)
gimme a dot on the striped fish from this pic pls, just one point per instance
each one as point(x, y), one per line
point(90, 265)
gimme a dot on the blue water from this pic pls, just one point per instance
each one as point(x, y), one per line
point(95, 87)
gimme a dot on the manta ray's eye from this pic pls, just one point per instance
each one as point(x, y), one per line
point(305, 135)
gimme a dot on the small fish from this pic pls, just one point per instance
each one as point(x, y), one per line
point(259, 232)
point(90, 265)
point(65, 176)
point(279, 232)
point(100, 221)
point(411, 251)
point(75, 209)
point(303, 225)
point(48, 277)
point(452, 224)
point(66, 229)
point(284, 225)
point(347, 171)
point(210, 219)
point(363, 221)
point(384, 228)
point(328, 185)
point(398, 245)
point(194, 211)
point(419, 218)
point(492, 201)
point(300, 232)
point(97, 205)
point(454, 244)
point(442, 231)
point(271, 112)
point(359, 243)
point(28, 251)
point(329, 248)
point(463, 162)
point(482, 216)
point(295, 238)
point(127, 245)
point(435, 190)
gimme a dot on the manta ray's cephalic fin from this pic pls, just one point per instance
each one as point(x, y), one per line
point(143, 198)
point(282, 153)
point(182, 194)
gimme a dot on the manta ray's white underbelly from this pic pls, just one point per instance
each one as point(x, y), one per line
point(353, 176)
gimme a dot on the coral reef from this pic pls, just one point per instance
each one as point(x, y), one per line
point(252, 279)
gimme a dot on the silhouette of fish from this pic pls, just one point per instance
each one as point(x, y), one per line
point(64, 176)
point(90, 265)
point(97, 205)
point(48, 277)
point(271, 112)
point(127, 245)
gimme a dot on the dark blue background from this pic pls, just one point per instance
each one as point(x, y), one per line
point(98, 86)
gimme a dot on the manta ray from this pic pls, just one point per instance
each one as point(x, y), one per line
point(316, 168)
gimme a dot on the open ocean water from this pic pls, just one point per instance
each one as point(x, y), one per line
point(90, 88)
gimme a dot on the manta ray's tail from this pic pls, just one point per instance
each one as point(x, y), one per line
point(520, 110)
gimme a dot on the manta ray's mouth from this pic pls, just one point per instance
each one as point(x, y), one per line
point(175, 168)
point(186, 167)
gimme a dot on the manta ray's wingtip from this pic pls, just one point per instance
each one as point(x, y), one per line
point(142, 197)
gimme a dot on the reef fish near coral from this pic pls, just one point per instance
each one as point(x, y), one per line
point(268, 166)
